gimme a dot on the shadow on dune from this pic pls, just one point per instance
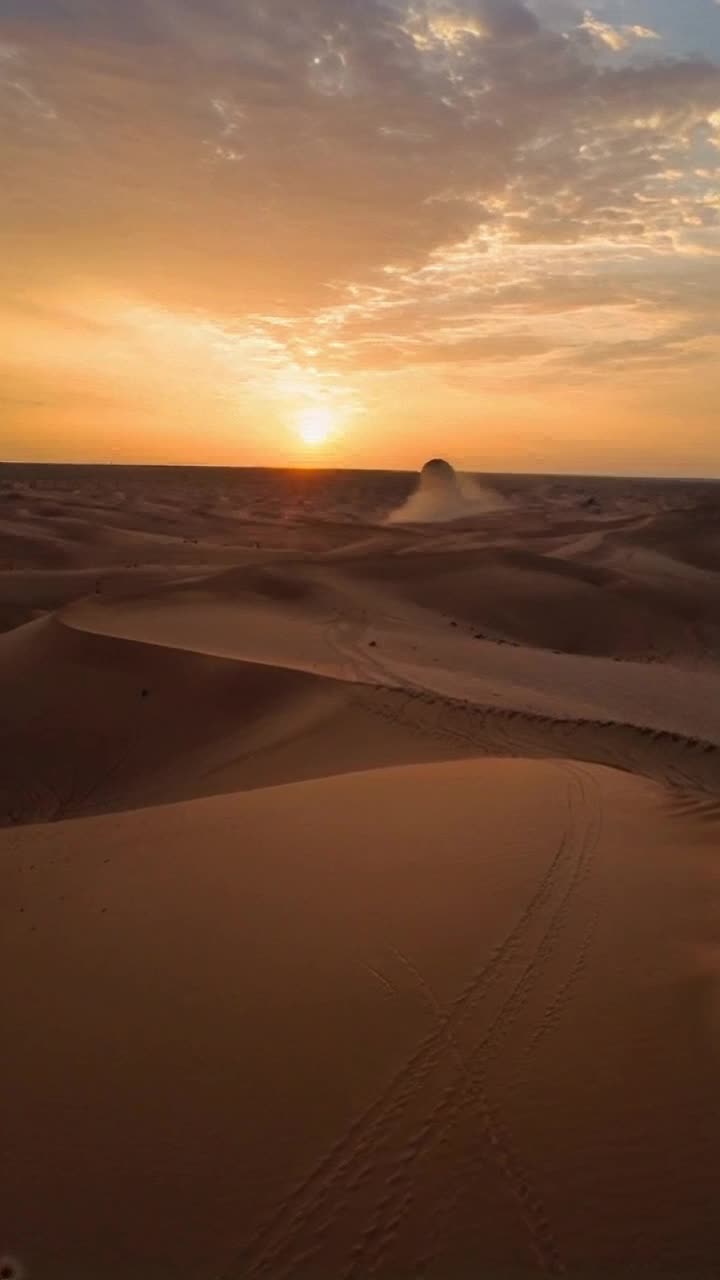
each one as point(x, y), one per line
point(91, 723)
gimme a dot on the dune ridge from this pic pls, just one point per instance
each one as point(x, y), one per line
point(116, 731)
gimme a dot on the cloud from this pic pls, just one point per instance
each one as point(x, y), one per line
point(616, 37)
point(364, 185)
point(20, 101)
point(498, 21)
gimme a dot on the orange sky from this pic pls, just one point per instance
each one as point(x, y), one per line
point(360, 234)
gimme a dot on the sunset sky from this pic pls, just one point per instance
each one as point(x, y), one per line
point(359, 232)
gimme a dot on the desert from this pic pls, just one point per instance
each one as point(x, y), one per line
point(359, 875)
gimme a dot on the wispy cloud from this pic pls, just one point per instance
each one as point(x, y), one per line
point(616, 37)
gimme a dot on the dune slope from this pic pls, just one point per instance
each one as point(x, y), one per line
point(441, 1020)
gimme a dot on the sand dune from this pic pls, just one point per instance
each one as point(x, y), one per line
point(106, 721)
point(359, 877)
point(459, 1019)
point(92, 724)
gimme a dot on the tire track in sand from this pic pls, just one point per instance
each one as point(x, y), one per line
point(473, 1094)
point(349, 1163)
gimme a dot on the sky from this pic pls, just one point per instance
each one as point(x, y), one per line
point(361, 232)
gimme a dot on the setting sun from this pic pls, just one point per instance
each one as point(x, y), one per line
point(314, 426)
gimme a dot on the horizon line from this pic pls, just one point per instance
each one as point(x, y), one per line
point(229, 466)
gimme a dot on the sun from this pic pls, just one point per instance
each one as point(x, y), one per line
point(315, 426)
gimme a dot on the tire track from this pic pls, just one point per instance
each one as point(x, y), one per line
point(474, 1094)
point(556, 1007)
point(478, 729)
point(308, 1198)
point(703, 781)
point(386, 1220)
point(532, 1205)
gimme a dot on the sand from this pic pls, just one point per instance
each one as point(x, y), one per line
point(359, 878)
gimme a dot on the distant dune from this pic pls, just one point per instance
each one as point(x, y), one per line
point(360, 877)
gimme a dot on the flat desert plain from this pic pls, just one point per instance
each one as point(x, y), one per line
point(360, 864)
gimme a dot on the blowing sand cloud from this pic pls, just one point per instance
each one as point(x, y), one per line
point(444, 495)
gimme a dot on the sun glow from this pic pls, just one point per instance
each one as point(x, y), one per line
point(315, 426)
